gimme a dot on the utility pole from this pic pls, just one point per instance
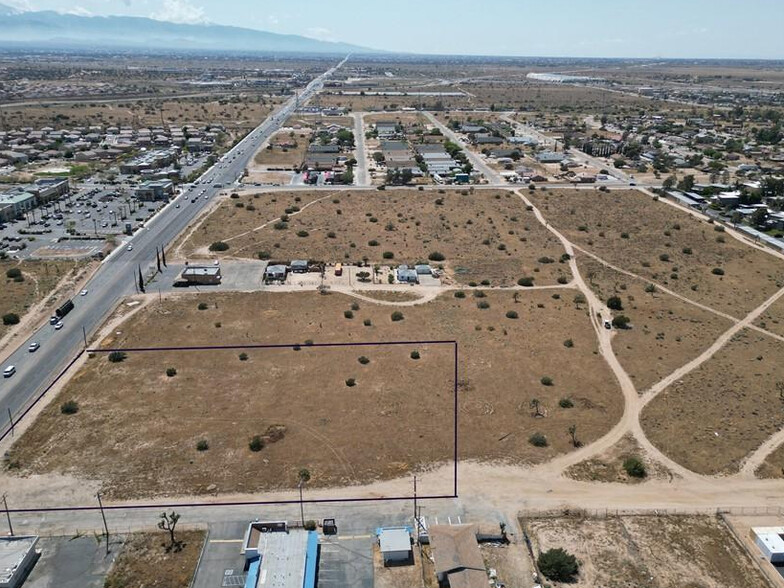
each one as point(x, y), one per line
point(301, 504)
point(105, 526)
point(8, 516)
point(415, 500)
point(11, 421)
point(84, 336)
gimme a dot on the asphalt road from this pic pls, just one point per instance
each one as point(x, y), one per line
point(117, 276)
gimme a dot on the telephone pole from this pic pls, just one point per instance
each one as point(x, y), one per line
point(8, 516)
point(105, 526)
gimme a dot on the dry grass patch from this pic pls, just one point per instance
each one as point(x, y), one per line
point(485, 235)
point(720, 412)
point(773, 318)
point(40, 278)
point(144, 561)
point(609, 466)
point(137, 429)
point(649, 551)
point(665, 332)
point(651, 239)
point(391, 295)
point(285, 149)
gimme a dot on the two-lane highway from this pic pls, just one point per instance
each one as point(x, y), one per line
point(118, 274)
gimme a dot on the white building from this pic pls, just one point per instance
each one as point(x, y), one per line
point(770, 540)
point(395, 545)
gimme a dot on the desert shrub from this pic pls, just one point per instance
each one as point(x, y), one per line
point(460, 294)
point(117, 356)
point(512, 314)
point(302, 233)
point(614, 303)
point(263, 255)
point(202, 306)
point(546, 381)
point(219, 246)
point(546, 259)
point(171, 372)
point(367, 322)
point(415, 355)
point(565, 403)
point(650, 288)
point(13, 273)
point(10, 318)
point(256, 443)
point(202, 445)
point(621, 322)
point(243, 356)
point(634, 467)
point(558, 565)
point(717, 271)
point(310, 525)
point(363, 360)
point(388, 255)
point(436, 256)
point(687, 251)
point(397, 316)
point(526, 282)
point(351, 382)
point(538, 440)
point(664, 257)
point(348, 314)
point(483, 305)
point(280, 225)
point(69, 407)
point(373, 243)
point(563, 280)
point(569, 343)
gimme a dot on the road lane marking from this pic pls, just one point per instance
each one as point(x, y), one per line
point(226, 540)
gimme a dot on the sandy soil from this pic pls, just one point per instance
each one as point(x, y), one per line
point(608, 467)
point(656, 230)
point(649, 551)
point(154, 452)
point(710, 419)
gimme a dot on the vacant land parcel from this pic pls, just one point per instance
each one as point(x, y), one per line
point(649, 551)
point(713, 417)
point(656, 241)
point(139, 430)
point(481, 235)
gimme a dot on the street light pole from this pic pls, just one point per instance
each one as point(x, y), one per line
point(105, 526)
point(301, 504)
point(8, 516)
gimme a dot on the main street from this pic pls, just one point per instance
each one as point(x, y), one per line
point(118, 274)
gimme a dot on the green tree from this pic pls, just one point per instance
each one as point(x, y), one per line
point(558, 565)
point(168, 523)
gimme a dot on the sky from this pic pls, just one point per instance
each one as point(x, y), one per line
point(743, 29)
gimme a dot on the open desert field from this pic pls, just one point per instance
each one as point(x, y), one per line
point(656, 241)
point(609, 465)
point(136, 429)
point(665, 332)
point(649, 551)
point(713, 417)
point(371, 103)
point(773, 318)
point(484, 235)
point(39, 279)
point(279, 153)
point(144, 562)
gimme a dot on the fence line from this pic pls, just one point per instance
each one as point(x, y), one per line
point(602, 513)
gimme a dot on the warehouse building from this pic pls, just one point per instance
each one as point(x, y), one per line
point(17, 558)
point(280, 557)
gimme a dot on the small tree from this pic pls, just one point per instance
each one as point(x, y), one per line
point(397, 316)
point(168, 523)
point(558, 565)
point(171, 372)
point(614, 303)
point(634, 467)
point(536, 405)
point(256, 443)
point(117, 356)
point(621, 322)
point(219, 246)
point(538, 440)
point(10, 318)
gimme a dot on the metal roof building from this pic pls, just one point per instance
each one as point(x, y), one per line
point(288, 560)
point(395, 544)
point(17, 557)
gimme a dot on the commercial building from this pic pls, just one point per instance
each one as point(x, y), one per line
point(15, 203)
point(770, 540)
point(209, 275)
point(458, 561)
point(155, 190)
point(17, 558)
point(149, 161)
point(280, 557)
point(395, 545)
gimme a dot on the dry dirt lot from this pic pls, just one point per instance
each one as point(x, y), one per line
point(278, 156)
point(370, 103)
point(773, 466)
point(136, 429)
point(485, 235)
point(40, 278)
point(773, 318)
point(665, 332)
point(649, 551)
point(145, 563)
point(717, 414)
point(608, 466)
point(652, 239)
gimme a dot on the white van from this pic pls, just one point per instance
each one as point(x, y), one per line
point(9, 371)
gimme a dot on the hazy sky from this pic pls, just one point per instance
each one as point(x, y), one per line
point(583, 28)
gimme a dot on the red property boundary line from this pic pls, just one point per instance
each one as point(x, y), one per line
point(198, 504)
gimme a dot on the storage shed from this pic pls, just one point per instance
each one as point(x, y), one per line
point(395, 545)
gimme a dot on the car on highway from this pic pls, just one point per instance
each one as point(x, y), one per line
point(53, 320)
point(33, 346)
point(130, 247)
point(58, 325)
point(9, 371)
point(83, 293)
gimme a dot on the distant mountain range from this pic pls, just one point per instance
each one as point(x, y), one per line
point(50, 30)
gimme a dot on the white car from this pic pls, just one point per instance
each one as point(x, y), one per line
point(9, 371)
point(130, 247)
point(34, 346)
point(58, 325)
point(83, 293)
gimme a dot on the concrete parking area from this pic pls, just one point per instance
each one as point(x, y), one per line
point(72, 562)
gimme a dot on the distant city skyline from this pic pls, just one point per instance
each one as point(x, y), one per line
point(724, 29)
